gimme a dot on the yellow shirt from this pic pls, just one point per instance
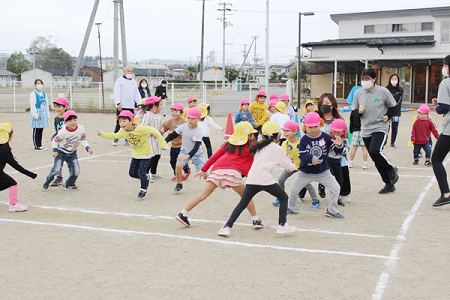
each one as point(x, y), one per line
point(292, 149)
point(138, 139)
point(259, 113)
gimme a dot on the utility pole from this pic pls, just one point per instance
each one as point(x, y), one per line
point(101, 65)
point(267, 46)
point(123, 37)
point(225, 24)
point(254, 59)
point(203, 37)
point(116, 41)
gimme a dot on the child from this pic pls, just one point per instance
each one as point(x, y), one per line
point(271, 110)
point(7, 157)
point(140, 114)
point(65, 145)
point(258, 109)
point(141, 152)
point(244, 114)
point(309, 107)
point(192, 141)
point(205, 124)
point(153, 119)
point(290, 130)
point(274, 97)
point(313, 152)
point(420, 134)
point(231, 162)
point(357, 141)
point(192, 101)
point(60, 105)
point(169, 126)
point(280, 117)
point(267, 155)
point(290, 110)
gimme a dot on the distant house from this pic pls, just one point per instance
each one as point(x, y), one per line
point(58, 78)
point(7, 78)
point(153, 77)
point(178, 73)
point(94, 71)
point(210, 75)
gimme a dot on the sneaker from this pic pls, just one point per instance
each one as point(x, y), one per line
point(183, 219)
point(126, 143)
point(321, 189)
point(149, 178)
point(315, 204)
point(142, 193)
point(393, 145)
point(365, 166)
point(115, 142)
point(40, 148)
point(441, 201)
point(57, 181)
point(45, 185)
point(420, 155)
point(427, 163)
point(17, 207)
point(178, 187)
point(71, 187)
point(174, 178)
point(416, 162)
point(351, 165)
point(346, 199)
point(388, 188)
point(224, 231)
point(276, 202)
point(286, 228)
point(257, 224)
point(156, 176)
point(291, 211)
point(185, 176)
point(332, 215)
point(340, 201)
point(300, 199)
point(393, 175)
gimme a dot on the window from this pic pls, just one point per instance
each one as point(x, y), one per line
point(379, 28)
point(407, 27)
point(427, 26)
point(445, 32)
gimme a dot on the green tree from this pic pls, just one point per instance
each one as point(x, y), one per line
point(230, 75)
point(303, 74)
point(17, 63)
point(47, 55)
point(273, 75)
point(190, 72)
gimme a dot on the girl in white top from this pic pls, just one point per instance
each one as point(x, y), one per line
point(268, 154)
point(280, 117)
point(39, 114)
point(153, 119)
point(205, 124)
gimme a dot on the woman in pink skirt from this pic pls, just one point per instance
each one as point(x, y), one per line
point(231, 162)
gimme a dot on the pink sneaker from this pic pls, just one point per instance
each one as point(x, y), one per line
point(350, 165)
point(286, 228)
point(17, 208)
point(224, 231)
point(365, 166)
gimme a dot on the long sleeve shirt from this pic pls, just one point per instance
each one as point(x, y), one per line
point(443, 97)
point(126, 93)
point(68, 141)
point(259, 113)
point(43, 105)
point(7, 157)
point(241, 117)
point(170, 126)
point(153, 120)
point(207, 124)
point(225, 160)
point(421, 131)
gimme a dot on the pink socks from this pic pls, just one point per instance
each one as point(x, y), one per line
point(13, 195)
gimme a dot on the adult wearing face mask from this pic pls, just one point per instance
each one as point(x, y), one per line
point(397, 92)
point(442, 106)
point(376, 106)
point(39, 114)
point(161, 92)
point(126, 96)
point(144, 91)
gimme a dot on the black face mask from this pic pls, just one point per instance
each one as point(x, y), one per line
point(326, 108)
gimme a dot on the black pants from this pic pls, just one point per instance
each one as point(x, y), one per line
point(394, 128)
point(153, 164)
point(346, 187)
point(207, 143)
point(336, 170)
point(117, 122)
point(174, 152)
point(250, 191)
point(6, 181)
point(37, 137)
point(375, 144)
point(439, 153)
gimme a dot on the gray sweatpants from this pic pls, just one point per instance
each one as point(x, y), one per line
point(285, 175)
point(325, 178)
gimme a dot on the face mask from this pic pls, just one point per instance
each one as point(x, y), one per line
point(394, 82)
point(163, 85)
point(39, 86)
point(144, 85)
point(367, 84)
point(445, 71)
point(325, 108)
point(129, 76)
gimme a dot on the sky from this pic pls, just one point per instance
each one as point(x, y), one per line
point(171, 29)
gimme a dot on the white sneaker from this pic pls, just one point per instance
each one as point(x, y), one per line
point(115, 142)
point(40, 148)
point(286, 228)
point(156, 176)
point(346, 199)
point(299, 199)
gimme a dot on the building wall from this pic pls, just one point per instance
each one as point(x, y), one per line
point(94, 75)
point(321, 84)
point(28, 78)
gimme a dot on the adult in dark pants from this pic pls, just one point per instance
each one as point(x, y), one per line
point(161, 92)
point(442, 106)
point(126, 96)
point(376, 106)
point(397, 92)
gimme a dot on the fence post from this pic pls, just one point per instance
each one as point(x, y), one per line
point(204, 92)
point(51, 93)
point(100, 95)
point(173, 92)
point(14, 92)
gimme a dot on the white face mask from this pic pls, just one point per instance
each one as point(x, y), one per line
point(39, 86)
point(144, 85)
point(129, 76)
point(367, 84)
point(445, 71)
point(394, 82)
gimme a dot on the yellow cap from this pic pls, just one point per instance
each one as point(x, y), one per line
point(270, 127)
point(281, 107)
point(143, 101)
point(5, 130)
point(308, 102)
point(241, 133)
point(204, 109)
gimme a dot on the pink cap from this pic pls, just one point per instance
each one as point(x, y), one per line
point(191, 98)
point(291, 125)
point(152, 100)
point(312, 119)
point(69, 113)
point(178, 106)
point(62, 101)
point(261, 93)
point(244, 101)
point(126, 113)
point(274, 97)
point(338, 125)
point(284, 97)
point(424, 109)
point(194, 113)
point(273, 103)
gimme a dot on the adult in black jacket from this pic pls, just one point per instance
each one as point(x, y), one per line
point(143, 88)
point(161, 92)
point(397, 92)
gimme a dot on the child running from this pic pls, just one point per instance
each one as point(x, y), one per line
point(421, 133)
point(65, 145)
point(267, 155)
point(258, 109)
point(60, 105)
point(205, 124)
point(141, 153)
point(231, 162)
point(313, 151)
point(192, 102)
point(191, 146)
point(244, 114)
point(7, 157)
point(290, 110)
point(175, 145)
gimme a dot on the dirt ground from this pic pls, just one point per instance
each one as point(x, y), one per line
point(102, 242)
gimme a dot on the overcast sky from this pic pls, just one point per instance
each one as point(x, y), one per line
point(171, 29)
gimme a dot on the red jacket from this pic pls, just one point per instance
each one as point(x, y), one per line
point(421, 131)
point(226, 160)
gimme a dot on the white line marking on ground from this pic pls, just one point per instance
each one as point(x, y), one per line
point(401, 175)
point(200, 239)
point(391, 265)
